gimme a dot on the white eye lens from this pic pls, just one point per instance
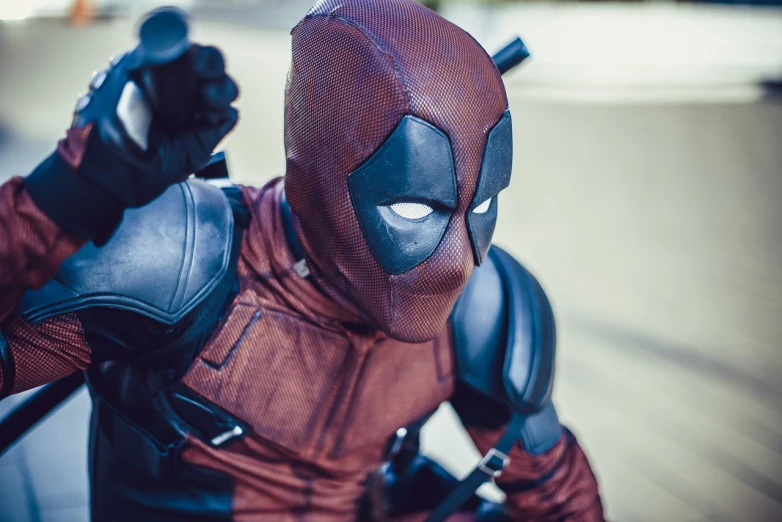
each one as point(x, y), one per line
point(410, 210)
point(483, 207)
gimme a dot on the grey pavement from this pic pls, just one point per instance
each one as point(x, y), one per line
point(655, 228)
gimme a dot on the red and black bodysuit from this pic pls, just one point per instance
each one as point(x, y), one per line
point(258, 354)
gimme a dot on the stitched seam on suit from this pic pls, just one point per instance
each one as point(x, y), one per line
point(229, 355)
point(193, 239)
point(301, 511)
point(345, 394)
point(182, 284)
point(368, 34)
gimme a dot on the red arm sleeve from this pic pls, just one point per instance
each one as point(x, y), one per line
point(32, 246)
point(557, 485)
point(45, 351)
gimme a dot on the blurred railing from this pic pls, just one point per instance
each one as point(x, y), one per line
point(86, 10)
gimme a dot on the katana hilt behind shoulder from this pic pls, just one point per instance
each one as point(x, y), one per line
point(511, 55)
point(166, 72)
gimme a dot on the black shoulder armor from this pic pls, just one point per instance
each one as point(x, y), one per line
point(504, 334)
point(161, 262)
point(504, 337)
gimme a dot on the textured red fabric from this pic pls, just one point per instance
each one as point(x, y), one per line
point(46, 351)
point(421, 517)
point(32, 246)
point(567, 489)
point(321, 393)
point(358, 67)
point(73, 147)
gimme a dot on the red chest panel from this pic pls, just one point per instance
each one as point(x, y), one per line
point(315, 391)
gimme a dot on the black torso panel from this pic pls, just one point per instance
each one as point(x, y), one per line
point(148, 301)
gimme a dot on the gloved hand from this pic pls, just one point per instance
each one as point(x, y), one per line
point(117, 154)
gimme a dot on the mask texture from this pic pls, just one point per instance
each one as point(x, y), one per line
point(358, 68)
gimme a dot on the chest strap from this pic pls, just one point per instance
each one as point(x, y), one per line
point(489, 468)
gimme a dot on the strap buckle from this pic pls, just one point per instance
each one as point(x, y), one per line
point(224, 437)
point(493, 463)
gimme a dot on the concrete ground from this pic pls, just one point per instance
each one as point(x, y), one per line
point(645, 199)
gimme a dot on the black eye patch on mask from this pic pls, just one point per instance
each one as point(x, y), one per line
point(494, 176)
point(414, 165)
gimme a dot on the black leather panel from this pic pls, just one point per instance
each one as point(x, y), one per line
point(504, 335)
point(529, 360)
point(479, 410)
point(494, 177)
point(480, 326)
point(541, 430)
point(138, 423)
point(497, 161)
point(161, 262)
point(125, 492)
point(413, 165)
point(7, 367)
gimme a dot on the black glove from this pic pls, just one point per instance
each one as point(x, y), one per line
point(117, 153)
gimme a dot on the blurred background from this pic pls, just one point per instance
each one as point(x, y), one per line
point(645, 197)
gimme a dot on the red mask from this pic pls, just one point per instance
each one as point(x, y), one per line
point(392, 186)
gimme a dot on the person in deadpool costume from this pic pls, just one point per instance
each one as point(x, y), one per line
point(270, 354)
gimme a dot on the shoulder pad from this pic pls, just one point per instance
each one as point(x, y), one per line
point(504, 334)
point(161, 262)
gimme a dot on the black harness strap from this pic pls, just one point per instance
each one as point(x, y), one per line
point(27, 413)
point(489, 468)
point(512, 367)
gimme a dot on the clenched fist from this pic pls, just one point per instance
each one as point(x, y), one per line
point(119, 153)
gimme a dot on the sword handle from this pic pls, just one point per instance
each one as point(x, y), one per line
point(166, 75)
point(511, 55)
